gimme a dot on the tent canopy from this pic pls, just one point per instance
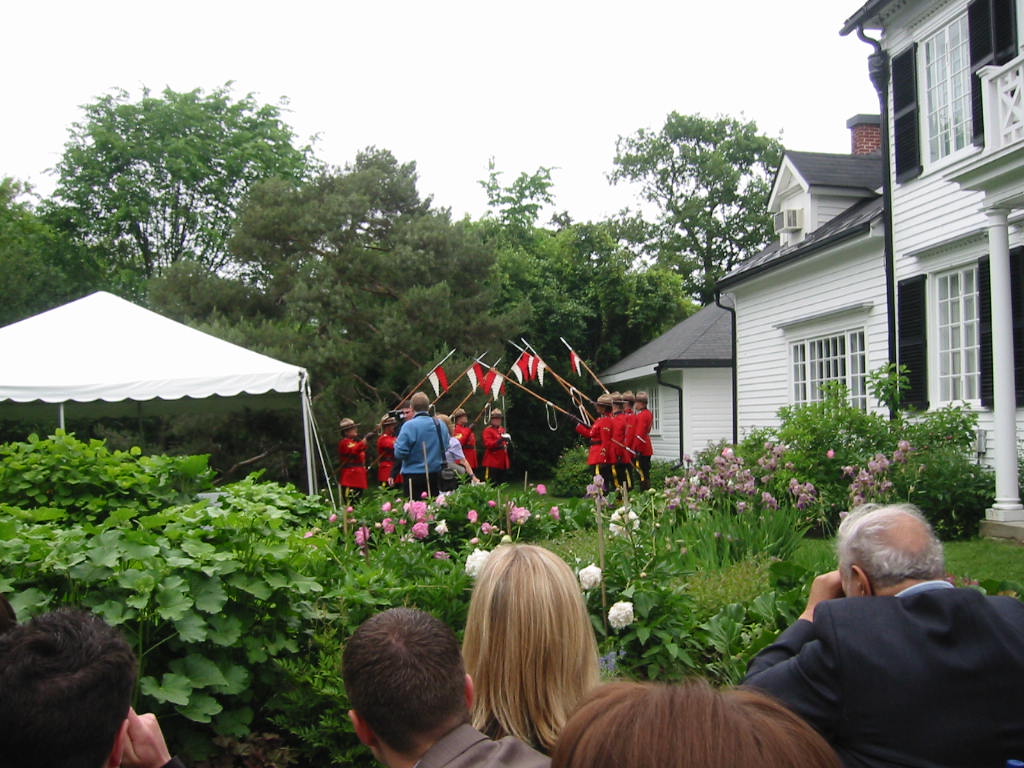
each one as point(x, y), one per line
point(102, 347)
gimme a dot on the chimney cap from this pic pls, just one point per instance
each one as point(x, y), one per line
point(864, 120)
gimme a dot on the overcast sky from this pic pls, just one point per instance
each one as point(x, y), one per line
point(448, 83)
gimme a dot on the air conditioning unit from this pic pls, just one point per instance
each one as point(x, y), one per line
point(789, 221)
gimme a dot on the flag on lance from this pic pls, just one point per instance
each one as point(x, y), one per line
point(475, 374)
point(521, 369)
point(537, 368)
point(494, 382)
point(576, 361)
point(438, 380)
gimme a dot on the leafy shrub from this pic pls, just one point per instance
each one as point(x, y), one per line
point(572, 473)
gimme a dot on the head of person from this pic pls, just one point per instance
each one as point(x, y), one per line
point(406, 409)
point(617, 402)
point(348, 428)
point(460, 417)
point(629, 725)
point(529, 645)
point(419, 402)
point(641, 400)
point(497, 417)
point(8, 618)
point(406, 683)
point(604, 403)
point(446, 420)
point(66, 681)
point(387, 425)
point(628, 399)
point(885, 549)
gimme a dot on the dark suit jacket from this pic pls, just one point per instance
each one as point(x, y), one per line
point(466, 747)
point(931, 679)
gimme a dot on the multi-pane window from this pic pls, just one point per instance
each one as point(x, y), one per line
point(840, 357)
point(958, 335)
point(947, 77)
point(652, 403)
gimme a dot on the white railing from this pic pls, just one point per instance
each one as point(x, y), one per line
point(1003, 102)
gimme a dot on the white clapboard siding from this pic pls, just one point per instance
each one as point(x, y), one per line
point(707, 407)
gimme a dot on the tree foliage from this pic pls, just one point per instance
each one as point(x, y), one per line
point(157, 181)
point(709, 181)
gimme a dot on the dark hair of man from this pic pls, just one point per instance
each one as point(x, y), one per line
point(8, 619)
point(404, 675)
point(631, 725)
point(66, 681)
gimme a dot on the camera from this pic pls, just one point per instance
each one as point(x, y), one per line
point(399, 415)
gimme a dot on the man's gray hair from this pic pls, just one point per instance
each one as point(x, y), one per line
point(879, 541)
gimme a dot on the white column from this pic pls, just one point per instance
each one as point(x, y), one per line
point(1007, 506)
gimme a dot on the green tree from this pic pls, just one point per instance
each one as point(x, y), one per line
point(159, 180)
point(41, 267)
point(709, 182)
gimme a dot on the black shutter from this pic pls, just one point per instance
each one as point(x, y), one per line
point(985, 330)
point(913, 340)
point(985, 325)
point(905, 115)
point(992, 32)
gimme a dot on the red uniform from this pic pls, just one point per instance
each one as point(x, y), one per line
point(467, 437)
point(600, 436)
point(385, 457)
point(496, 449)
point(352, 454)
point(642, 433)
point(619, 437)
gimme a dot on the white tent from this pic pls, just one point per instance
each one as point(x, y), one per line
point(104, 355)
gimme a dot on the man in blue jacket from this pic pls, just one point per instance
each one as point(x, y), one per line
point(420, 447)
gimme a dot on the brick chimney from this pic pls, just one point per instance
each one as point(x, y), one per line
point(865, 134)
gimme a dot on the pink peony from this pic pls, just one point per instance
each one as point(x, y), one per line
point(473, 516)
point(308, 534)
point(519, 515)
point(475, 540)
point(333, 518)
point(556, 513)
point(388, 524)
point(385, 507)
point(420, 530)
point(487, 528)
point(362, 536)
point(492, 503)
point(542, 489)
point(440, 555)
point(830, 453)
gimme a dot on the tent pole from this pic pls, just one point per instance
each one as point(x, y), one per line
point(306, 405)
point(60, 417)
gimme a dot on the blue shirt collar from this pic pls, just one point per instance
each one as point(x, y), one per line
point(925, 586)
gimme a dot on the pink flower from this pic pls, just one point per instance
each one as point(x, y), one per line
point(417, 509)
point(830, 453)
point(333, 518)
point(420, 530)
point(385, 507)
point(542, 489)
point(440, 555)
point(519, 515)
point(487, 529)
point(350, 510)
point(362, 536)
point(556, 513)
point(423, 495)
point(727, 453)
point(473, 516)
point(492, 503)
point(308, 534)
point(388, 524)
point(475, 540)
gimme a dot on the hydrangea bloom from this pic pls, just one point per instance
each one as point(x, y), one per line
point(476, 561)
point(621, 614)
point(590, 576)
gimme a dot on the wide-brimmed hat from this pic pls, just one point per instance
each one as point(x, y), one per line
point(458, 412)
point(347, 424)
point(495, 413)
point(388, 421)
point(604, 399)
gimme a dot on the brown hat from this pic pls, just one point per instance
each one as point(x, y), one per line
point(628, 396)
point(347, 424)
point(388, 420)
point(496, 414)
point(604, 399)
point(458, 412)
point(617, 397)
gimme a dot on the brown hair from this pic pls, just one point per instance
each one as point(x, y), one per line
point(419, 401)
point(634, 725)
point(404, 676)
point(529, 645)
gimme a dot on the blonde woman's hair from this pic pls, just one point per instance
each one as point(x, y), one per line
point(529, 645)
point(446, 420)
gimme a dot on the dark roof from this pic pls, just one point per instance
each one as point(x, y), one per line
point(704, 339)
point(854, 220)
point(823, 169)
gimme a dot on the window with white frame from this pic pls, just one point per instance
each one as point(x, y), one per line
point(652, 403)
point(947, 78)
point(837, 357)
point(959, 341)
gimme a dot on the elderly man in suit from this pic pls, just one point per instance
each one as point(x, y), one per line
point(410, 697)
point(892, 664)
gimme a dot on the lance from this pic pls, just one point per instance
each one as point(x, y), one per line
point(473, 391)
point(432, 369)
point(534, 394)
point(453, 382)
point(584, 364)
point(575, 395)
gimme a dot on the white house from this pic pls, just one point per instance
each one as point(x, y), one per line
point(687, 372)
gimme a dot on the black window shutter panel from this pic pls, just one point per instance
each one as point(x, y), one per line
point(913, 340)
point(1017, 295)
point(905, 115)
point(992, 33)
point(985, 330)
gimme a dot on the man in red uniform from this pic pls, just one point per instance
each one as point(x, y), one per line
point(628, 449)
point(465, 435)
point(497, 461)
point(601, 456)
point(642, 440)
point(622, 453)
point(386, 449)
point(352, 456)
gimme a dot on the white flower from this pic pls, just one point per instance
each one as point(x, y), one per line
point(621, 614)
point(617, 530)
point(476, 561)
point(590, 576)
point(441, 528)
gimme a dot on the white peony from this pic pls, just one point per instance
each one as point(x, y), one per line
point(621, 614)
point(476, 561)
point(590, 576)
point(441, 528)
